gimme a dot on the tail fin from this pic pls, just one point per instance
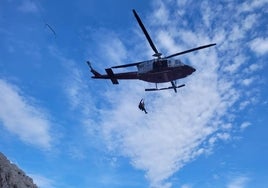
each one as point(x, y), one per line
point(96, 74)
point(110, 74)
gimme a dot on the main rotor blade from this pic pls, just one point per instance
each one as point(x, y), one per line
point(157, 54)
point(127, 65)
point(191, 50)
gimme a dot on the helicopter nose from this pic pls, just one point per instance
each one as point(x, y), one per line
point(191, 69)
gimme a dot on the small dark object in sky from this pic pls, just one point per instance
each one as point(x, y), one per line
point(142, 106)
point(51, 29)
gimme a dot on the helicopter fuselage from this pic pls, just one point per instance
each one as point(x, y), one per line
point(163, 70)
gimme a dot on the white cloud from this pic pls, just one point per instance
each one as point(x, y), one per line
point(252, 5)
point(248, 81)
point(186, 186)
point(75, 85)
point(238, 182)
point(28, 7)
point(167, 41)
point(42, 181)
point(244, 125)
point(110, 46)
point(75, 88)
point(227, 126)
point(250, 20)
point(117, 48)
point(259, 46)
point(253, 68)
point(238, 61)
point(223, 136)
point(22, 118)
point(161, 13)
point(244, 104)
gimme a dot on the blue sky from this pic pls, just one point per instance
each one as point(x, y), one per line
point(66, 130)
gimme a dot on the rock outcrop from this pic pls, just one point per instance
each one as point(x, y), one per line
point(12, 177)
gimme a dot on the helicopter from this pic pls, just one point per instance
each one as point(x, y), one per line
point(157, 70)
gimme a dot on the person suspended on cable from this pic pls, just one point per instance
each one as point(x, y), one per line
point(142, 106)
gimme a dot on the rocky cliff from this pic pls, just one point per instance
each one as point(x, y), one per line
point(12, 177)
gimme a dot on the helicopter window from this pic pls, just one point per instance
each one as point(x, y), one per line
point(160, 64)
point(145, 67)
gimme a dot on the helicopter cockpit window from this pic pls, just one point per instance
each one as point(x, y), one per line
point(174, 63)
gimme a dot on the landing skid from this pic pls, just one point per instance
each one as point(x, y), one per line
point(165, 88)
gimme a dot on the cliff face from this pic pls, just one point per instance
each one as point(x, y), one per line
point(12, 177)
